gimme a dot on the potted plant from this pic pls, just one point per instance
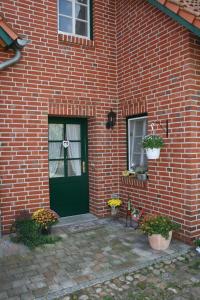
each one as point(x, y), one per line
point(197, 243)
point(152, 144)
point(141, 173)
point(114, 205)
point(159, 229)
point(45, 218)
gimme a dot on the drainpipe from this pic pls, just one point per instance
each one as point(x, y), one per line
point(19, 44)
point(12, 60)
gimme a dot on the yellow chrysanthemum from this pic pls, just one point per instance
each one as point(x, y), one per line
point(114, 202)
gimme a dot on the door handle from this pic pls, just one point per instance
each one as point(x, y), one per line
point(83, 167)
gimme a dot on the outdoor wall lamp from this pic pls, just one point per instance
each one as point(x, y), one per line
point(112, 116)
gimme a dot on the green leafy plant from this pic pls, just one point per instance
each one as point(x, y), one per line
point(157, 224)
point(197, 243)
point(152, 141)
point(28, 232)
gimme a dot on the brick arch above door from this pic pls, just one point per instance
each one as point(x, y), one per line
point(61, 109)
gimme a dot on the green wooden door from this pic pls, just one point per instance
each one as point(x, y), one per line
point(68, 170)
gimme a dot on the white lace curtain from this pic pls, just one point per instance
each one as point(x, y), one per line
point(74, 150)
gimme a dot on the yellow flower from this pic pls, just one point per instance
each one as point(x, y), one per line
point(44, 217)
point(114, 202)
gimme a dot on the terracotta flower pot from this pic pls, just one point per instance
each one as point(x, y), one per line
point(158, 242)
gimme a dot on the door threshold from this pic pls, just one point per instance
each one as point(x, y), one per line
point(77, 219)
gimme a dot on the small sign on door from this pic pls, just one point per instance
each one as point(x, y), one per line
point(65, 144)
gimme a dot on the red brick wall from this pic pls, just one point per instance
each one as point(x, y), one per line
point(60, 78)
point(158, 73)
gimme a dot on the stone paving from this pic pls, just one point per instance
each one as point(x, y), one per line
point(174, 279)
point(91, 253)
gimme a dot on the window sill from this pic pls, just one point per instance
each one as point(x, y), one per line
point(69, 39)
point(132, 181)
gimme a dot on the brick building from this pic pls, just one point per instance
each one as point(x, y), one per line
point(137, 58)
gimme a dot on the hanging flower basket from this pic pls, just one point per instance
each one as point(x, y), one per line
point(152, 144)
point(153, 153)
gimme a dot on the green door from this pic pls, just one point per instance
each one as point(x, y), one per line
point(68, 171)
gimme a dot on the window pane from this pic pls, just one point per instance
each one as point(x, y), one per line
point(56, 132)
point(74, 150)
point(135, 161)
point(81, 28)
point(82, 1)
point(73, 132)
point(56, 169)
point(74, 167)
point(81, 12)
point(137, 146)
point(65, 24)
point(56, 150)
point(65, 7)
point(137, 129)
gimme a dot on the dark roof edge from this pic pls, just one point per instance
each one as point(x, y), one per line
point(176, 17)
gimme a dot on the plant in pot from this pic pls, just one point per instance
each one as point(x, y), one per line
point(45, 218)
point(141, 173)
point(197, 243)
point(159, 229)
point(152, 144)
point(114, 205)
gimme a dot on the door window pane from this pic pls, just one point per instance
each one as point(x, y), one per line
point(65, 7)
point(74, 167)
point(56, 132)
point(65, 24)
point(81, 12)
point(56, 168)
point(74, 150)
point(73, 132)
point(81, 28)
point(56, 150)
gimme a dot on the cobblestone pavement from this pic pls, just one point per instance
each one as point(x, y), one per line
point(176, 279)
point(89, 254)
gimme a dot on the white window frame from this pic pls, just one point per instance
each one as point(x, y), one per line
point(74, 2)
point(129, 146)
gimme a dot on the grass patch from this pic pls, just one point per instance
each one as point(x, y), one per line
point(28, 232)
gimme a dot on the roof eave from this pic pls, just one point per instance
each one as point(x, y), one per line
point(176, 17)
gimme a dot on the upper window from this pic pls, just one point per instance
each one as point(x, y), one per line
point(137, 128)
point(74, 17)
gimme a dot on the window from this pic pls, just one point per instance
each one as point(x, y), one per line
point(137, 128)
point(74, 17)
